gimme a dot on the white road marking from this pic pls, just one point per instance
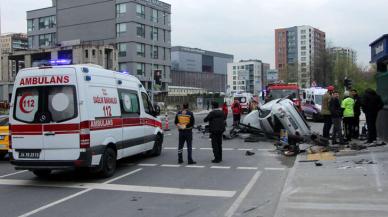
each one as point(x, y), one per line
point(170, 165)
point(170, 148)
point(206, 148)
point(11, 174)
point(340, 206)
point(242, 195)
point(245, 149)
point(194, 166)
point(147, 165)
point(275, 169)
point(247, 168)
point(88, 188)
point(220, 167)
point(228, 149)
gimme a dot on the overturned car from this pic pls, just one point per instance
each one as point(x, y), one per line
point(277, 115)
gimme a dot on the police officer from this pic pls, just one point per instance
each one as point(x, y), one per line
point(184, 120)
point(216, 121)
point(348, 114)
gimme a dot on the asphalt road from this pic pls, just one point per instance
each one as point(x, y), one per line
point(145, 187)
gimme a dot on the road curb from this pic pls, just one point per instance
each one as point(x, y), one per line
point(287, 188)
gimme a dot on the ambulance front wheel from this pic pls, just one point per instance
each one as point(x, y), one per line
point(108, 163)
point(42, 173)
point(157, 149)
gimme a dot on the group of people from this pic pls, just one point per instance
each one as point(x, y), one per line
point(348, 111)
point(184, 120)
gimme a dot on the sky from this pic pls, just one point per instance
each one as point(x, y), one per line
point(245, 28)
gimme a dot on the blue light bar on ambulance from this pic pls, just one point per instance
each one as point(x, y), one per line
point(60, 62)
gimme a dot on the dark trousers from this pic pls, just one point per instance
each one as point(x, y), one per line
point(337, 130)
point(371, 123)
point(327, 122)
point(236, 119)
point(185, 136)
point(348, 125)
point(356, 127)
point(217, 145)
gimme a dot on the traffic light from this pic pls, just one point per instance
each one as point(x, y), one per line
point(348, 83)
point(158, 76)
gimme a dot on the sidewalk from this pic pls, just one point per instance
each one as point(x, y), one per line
point(355, 184)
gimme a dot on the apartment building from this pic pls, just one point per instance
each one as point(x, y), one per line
point(298, 52)
point(139, 29)
point(246, 76)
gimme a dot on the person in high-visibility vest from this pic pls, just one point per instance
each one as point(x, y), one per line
point(348, 114)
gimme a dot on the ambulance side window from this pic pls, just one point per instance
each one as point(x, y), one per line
point(146, 103)
point(129, 103)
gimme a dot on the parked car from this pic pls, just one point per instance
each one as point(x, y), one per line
point(4, 136)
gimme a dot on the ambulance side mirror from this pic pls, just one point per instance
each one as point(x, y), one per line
point(156, 110)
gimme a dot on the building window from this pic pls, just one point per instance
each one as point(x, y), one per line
point(164, 54)
point(86, 53)
point(140, 50)
point(121, 28)
point(30, 42)
point(122, 47)
point(47, 40)
point(154, 33)
point(303, 58)
point(303, 53)
point(123, 67)
point(47, 22)
point(121, 9)
point(154, 52)
point(30, 25)
point(154, 15)
point(140, 69)
point(140, 11)
point(140, 30)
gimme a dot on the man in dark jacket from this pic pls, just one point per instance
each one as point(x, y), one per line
point(216, 127)
point(371, 105)
point(336, 116)
point(357, 113)
point(184, 120)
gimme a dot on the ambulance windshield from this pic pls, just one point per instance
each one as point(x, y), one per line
point(45, 104)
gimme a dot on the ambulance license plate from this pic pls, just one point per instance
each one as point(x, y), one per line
point(31, 154)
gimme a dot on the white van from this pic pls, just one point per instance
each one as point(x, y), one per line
point(76, 116)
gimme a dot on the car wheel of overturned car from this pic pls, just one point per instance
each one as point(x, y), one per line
point(108, 163)
point(42, 173)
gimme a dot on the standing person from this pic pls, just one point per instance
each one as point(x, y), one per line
point(371, 105)
point(225, 110)
point(325, 111)
point(357, 113)
point(184, 120)
point(216, 121)
point(348, 107)
point(236, 109)
point(336, 116)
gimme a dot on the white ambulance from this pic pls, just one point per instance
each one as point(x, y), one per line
point(78, 116)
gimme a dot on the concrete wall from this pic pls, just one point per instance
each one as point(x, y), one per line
point(87, 20)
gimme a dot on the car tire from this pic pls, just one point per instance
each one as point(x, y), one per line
point(2, 156)
point(42, 173)
point(108, 163)
point(157, 149)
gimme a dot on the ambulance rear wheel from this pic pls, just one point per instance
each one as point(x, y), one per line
point(42, 173)
point(108, 163)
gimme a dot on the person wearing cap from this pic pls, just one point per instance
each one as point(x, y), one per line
point(325, 111)
point(217, 128)
point(348, 114)
point(184, 120)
